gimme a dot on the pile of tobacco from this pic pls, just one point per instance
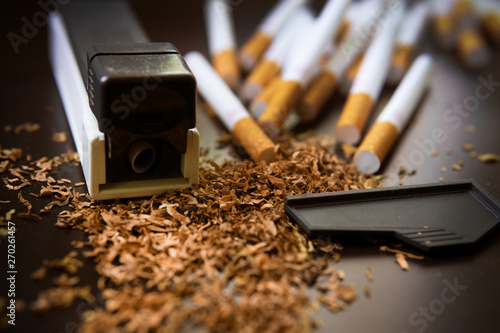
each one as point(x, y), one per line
point(221, 255)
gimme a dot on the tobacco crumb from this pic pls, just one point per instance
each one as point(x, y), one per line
point(435, 153)
point(401, 257)
point(4, 165)
point(461, 163)
point(40, 274)
point(69, 263)
point(348, 150)
point(473, 154)
point(456, 167)
point(405, 172)
point(468, 147)
point(367, 291)
point(59, 137)
point(8, 216)
point(29, 216)
point(60, 297)
point(401, 260)
point(28, 127)
point(24, 202)
point(7, 128)
point(443, 169)
point(449, 151)
point(471, 128)
point(441, 179)
point(368, 274)
point(12, 154)
point(489, 158)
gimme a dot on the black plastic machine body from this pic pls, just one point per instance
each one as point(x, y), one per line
point(142, 96)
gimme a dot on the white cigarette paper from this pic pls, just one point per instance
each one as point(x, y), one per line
point(265, 32)
point(371, 77)
point(275, 55)
point(229, 109)
point(361, 18)
point(221, 41)
point(220, 28)
point(376, 63)
point(215, 91)
point(489, 11)
point(300, 20)
point(407, 39)
point(278, 16)
point(444, 26)
point(395, 116)
point(300, 66)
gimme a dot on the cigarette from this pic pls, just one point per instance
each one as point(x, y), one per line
point(272, 61)
point(260, 76)
point(221, 41)
point(491, 24)
point(472, 47)
point(357, 21)
point(286, 94)
point(464, 9)
point(444, 25)
point(260, 102)
point(316, 95)
point(394, 117)
point(490, 19)
point(368, 83)
point(407, 40)
point(350, 74)
point(257, 44)
point(230, 109)
point(363, 16)
point(298, 70)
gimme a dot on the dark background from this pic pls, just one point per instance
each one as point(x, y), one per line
point(28, 93)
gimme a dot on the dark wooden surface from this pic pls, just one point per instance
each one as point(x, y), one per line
point(28, 93)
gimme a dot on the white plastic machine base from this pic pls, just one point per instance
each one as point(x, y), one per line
point(90, 142)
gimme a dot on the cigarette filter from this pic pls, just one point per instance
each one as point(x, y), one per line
point(489, 12)
point(491, 25)
point(230, 110)
point(272, 61)
point(394, 117)
point(472, 48)
point(221, 41)
point(407, 40)
point(260, 102)
point(463, 8)
point(130, 103)
point(368, 83)
point(255, 47)
point(444, 23)
point(298, 71)
point(285, 96)
point(316, 95)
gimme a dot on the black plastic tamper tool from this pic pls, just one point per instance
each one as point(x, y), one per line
point(432, 217)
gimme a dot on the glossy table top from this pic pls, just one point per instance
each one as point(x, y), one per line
point(442, 294)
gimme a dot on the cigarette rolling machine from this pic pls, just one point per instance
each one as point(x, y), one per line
point(130, 103)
